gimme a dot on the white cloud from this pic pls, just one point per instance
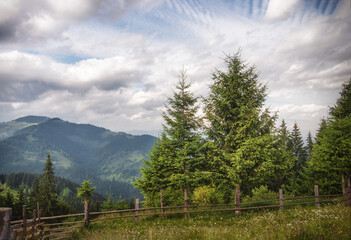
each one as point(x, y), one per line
point(281, 10)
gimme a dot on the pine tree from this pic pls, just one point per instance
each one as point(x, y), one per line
point(34, 195)
point(47, 186)
point(330, 159)
point(310, 143)
point(181, 127)
point(241, 140)
point(175, 158)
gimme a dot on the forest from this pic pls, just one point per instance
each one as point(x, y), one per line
point(211, 144)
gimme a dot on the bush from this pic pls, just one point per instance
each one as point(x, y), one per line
point(204, 195)
point(261, 194)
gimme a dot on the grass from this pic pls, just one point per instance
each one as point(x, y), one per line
point(301, 222)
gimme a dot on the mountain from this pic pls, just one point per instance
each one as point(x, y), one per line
point(78, 151)
point(8, 129)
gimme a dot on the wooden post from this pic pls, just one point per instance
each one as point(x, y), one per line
point(161, 199)
point(316, 194)
point(343, 183)
point(5, 223)
point(24, 221)
point(34, 227)
point(186, 202)
point(38, 212)
point(237, 199)
point(281, 199)
point(136, 213)
point(86, 213)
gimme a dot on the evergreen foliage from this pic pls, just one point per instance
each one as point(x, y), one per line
point(331, 154)
point(85, 191)
point(241, 141)
point(175, 160)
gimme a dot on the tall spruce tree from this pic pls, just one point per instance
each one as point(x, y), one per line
point(240, 134)
point(47, 186)
point(175, 159)
point(331, 154)
point(300, 157)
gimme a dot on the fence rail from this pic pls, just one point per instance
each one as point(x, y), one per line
point(38, 227)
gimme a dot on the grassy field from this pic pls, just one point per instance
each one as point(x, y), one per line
point(307, 222)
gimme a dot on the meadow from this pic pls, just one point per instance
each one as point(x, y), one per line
point(330, 221)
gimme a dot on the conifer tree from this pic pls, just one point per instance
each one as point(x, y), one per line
point(181, 127)
point(330, 159)
point(240, 133)
point(300, 157)
point(47, 186)
point(175, 158)
point(310, 143)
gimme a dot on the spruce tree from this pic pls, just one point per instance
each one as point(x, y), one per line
point(48, 194)
point(175, 158)
point(330, 159)
point(240, 132)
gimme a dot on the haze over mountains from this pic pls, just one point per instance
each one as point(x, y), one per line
point(78, 151)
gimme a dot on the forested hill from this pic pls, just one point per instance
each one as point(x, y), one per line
point(78, 151)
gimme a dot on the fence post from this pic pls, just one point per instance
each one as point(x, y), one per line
point(86, 213)
point(5, 222)
point(38, 212)
point(343, 183)
point(34, 227)
point(24, 221)
point(186, 202)
point(161, 199)
point(281, 199)
point(237, 199)
point(136, 213)
point(316, 194)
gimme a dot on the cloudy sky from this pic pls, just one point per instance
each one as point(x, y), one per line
point(112, 63)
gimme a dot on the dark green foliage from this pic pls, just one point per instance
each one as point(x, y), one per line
point(175, 162)
point(300, 155)
point(47, 188)
point(242, 146)
point(331, 154)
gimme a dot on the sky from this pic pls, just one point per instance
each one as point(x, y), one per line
point(113, 63)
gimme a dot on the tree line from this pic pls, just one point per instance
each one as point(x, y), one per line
point(210, 144)
point(56, 196)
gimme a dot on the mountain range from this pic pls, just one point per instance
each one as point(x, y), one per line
point(111, 160)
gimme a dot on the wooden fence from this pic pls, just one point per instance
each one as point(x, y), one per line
point(54, 228)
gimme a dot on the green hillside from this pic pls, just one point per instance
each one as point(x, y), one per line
point(78, 151)
point(8, 129)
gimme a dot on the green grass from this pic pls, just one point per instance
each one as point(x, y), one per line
point(307, 222)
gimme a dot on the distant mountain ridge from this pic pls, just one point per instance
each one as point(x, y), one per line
point(78, 151)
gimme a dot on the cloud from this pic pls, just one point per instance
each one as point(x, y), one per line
point(34, 21)
point(280, 10)
point(113, 63)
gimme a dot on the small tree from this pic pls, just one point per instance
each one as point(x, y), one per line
point(85, 191)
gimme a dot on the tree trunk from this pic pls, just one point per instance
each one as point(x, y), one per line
point(161, 199)
point(343, 183)
point(186, 202)
point(86, 213)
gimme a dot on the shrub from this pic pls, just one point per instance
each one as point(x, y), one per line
point(204, 195)
point(261, 194)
